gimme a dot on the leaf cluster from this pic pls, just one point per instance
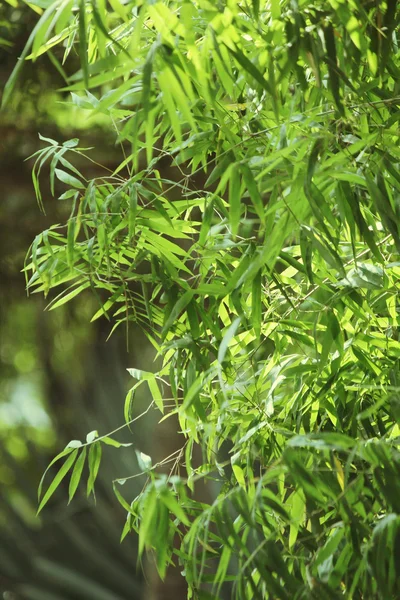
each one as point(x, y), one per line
point(265, 274)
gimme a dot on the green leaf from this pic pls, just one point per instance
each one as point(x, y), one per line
point(65, 452)
point(133, 206)
point(206, 222)
point(148, 526)
point(58, 479)
point(228, 336)
point(129, 398)
point(250, 68)
point(71, 241)
point(152, 383)
point(219, 169)
point(156, 394)
point(12, 80)
point(316, 150)
point(364, 276)
point(384, 208)
point(111, 442)
point(256, 304)
point(74, 444)
point(83, 46)
point(296, 504)
point(91, 436)
point(68, 179)
point(253, 191)
point(69, 194)
point(334, 80)
point(171, 503)
point(94, 465)
point(76, 475)
point(179, 306)
point(144, 461)
point(67, 297)
point(306, 254)
point(330, 546)
point(323, 441)
point(234, 199)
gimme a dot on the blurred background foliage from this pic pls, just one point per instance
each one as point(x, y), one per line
point(72, 553)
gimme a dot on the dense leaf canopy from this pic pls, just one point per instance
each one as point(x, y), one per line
point(262, 265)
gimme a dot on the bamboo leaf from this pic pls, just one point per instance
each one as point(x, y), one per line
point(76, 475)
point(234, 200)
point(229, 335)
point(65, 452)
point(12, 80)
point(83, 47)
point(253, 191)
point(58, 478)
point(334, 81)
point(180, 305)
point(256, 304)
point(68, 179)
point(94, 465)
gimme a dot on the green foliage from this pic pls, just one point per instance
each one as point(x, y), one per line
point(264, 271)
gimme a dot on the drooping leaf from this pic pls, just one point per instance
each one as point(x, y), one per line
point(58, 479)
